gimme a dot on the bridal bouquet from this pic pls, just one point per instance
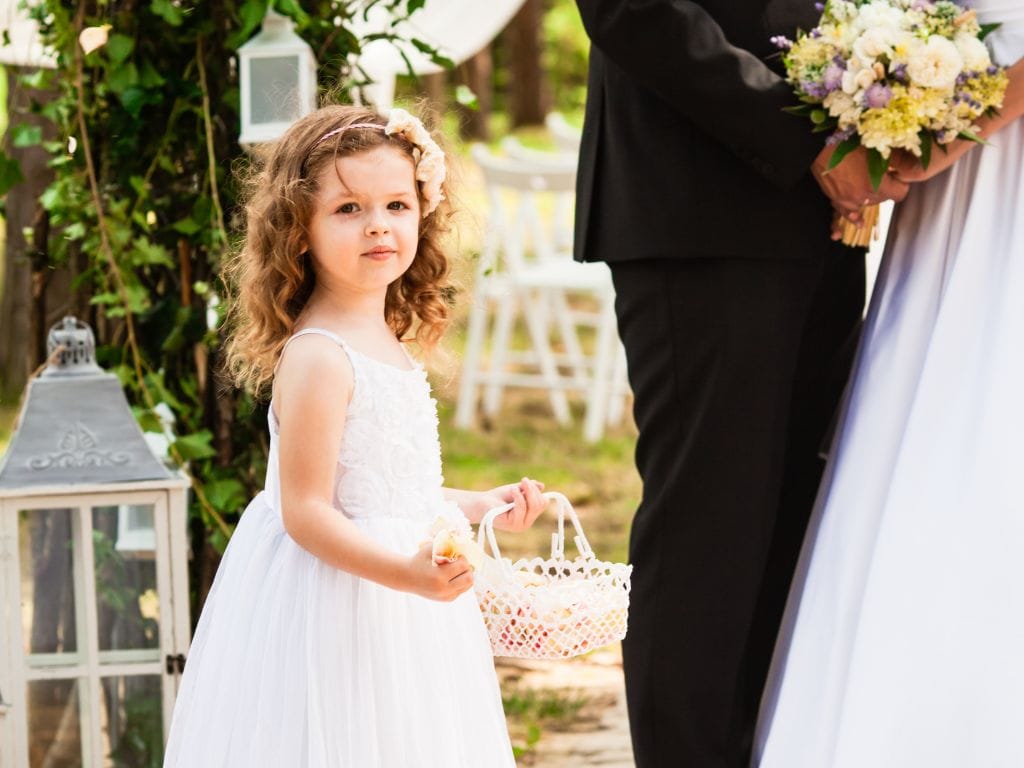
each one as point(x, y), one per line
point(893, 74)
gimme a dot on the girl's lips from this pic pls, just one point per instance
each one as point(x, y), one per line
point(380, 252)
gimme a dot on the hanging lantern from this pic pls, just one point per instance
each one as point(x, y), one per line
point(278, 80)
point(93, 579)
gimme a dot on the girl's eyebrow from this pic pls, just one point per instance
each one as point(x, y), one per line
point(345, 193)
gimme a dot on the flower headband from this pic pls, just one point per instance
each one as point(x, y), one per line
point(430, 167)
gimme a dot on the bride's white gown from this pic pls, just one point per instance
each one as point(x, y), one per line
point(903, 644)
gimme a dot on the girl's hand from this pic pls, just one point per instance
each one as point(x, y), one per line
point(438, 581)
point(526, 495)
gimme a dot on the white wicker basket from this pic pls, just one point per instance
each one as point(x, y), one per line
point(554, 608)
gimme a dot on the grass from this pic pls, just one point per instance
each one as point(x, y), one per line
point(529, 710)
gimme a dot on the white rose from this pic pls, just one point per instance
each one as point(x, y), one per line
point(874, 43)
point(936, 64)
point(879, 15)
point(855, 80)
point(973, 52)
point(903, 46)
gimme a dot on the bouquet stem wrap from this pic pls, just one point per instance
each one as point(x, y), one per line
point(859, 235)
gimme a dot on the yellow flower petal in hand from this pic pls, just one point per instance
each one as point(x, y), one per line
point(449, 544)
point(92, 38)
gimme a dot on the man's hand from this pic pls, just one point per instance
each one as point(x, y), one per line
point(848, 185)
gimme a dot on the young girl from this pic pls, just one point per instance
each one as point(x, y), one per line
point(332, 636)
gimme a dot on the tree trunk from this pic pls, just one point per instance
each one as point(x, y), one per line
point(529, 97)
point(435, 89)
point(23, 305)
point(476, 73)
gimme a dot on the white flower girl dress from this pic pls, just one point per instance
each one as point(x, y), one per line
point(296, 664)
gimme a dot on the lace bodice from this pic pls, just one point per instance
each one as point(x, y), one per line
point(389, 464)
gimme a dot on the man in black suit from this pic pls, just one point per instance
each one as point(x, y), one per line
point(739, 316)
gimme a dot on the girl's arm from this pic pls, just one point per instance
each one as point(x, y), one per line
point(311, 393)
point(526, 495)
point(908, 168)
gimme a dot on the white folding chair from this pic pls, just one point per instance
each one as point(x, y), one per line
point(526, 270)
point(566, 136)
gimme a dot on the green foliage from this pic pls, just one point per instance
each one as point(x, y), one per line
point(146, 139)
point(566, 52)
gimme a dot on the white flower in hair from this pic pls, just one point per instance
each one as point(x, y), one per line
point(430, 167)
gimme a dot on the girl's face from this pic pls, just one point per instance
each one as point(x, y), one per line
point(365, 225)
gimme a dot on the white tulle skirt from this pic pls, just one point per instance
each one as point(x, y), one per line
point(297, 664)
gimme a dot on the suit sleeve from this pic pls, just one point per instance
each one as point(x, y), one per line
point(677, 50)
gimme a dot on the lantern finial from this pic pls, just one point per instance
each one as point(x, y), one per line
point(71, 349)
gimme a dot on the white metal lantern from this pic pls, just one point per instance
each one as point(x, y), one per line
point(94, 619)
point(278, 79)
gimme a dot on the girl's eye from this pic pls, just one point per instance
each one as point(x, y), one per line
point(397, 205)
point(347, 208)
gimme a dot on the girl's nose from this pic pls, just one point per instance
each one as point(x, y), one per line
point(377, 224)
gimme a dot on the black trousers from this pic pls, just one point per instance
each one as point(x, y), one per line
point(737, 367)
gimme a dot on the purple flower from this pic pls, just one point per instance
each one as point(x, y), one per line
point(899, 74)
point(877, 96)
point(921, 5)
point(781, 41)
point(819, 7)
point(840, 136)
point(832, 78)
point(814, 89)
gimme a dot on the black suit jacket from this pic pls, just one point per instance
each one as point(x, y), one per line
point(686, 151)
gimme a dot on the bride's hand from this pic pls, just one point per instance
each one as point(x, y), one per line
point(907, 168)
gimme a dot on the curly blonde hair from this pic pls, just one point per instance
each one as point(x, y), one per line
point(270, 278)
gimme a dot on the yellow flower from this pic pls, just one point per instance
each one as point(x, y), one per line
point(450, 543)
point(898, 124)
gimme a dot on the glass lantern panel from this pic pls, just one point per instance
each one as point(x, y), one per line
point(54, 727)
point(124, 550)
point(274, 84)
point(133, 729)
point(45, 543)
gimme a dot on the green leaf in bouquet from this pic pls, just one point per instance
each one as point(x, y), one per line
point(842, 150)
point(988, 29)
point(802, 110)
point(971, 136)
point(926, 149)
point(877, 166)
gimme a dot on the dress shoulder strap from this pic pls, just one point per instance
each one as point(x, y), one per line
point(305, 332)
point(321, 331)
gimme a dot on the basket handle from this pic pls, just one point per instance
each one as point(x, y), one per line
point(486, 530)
